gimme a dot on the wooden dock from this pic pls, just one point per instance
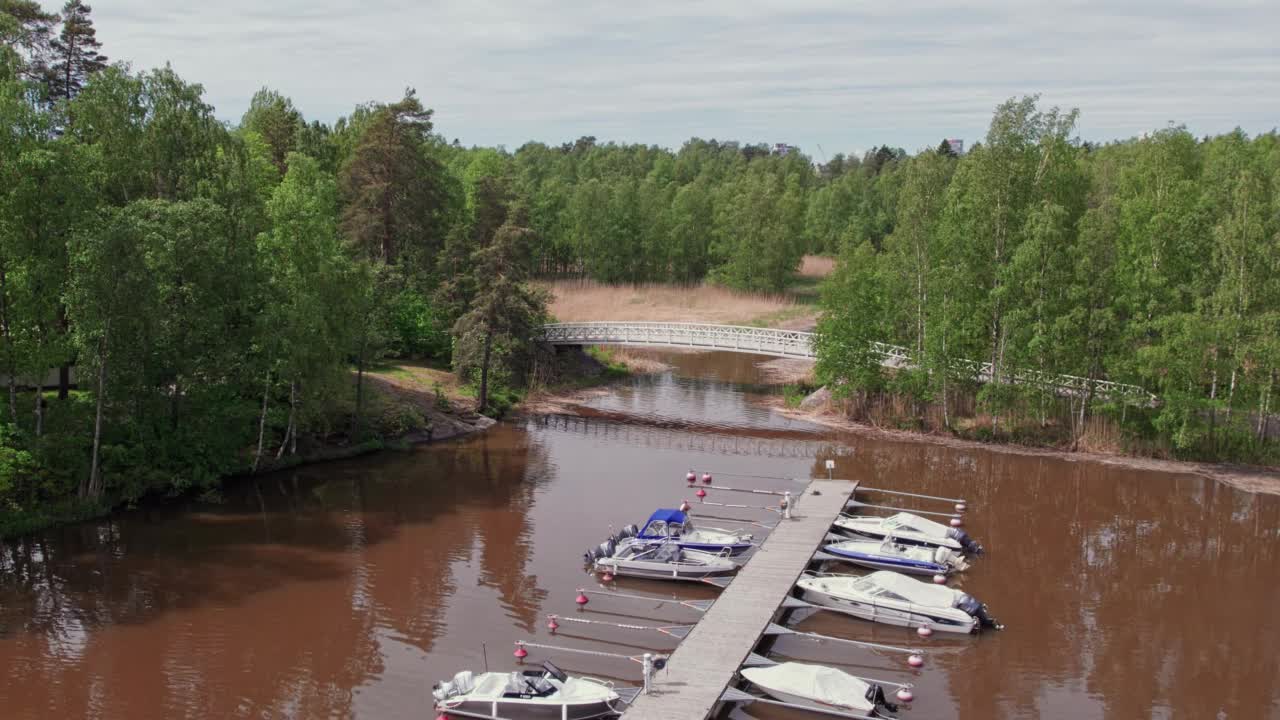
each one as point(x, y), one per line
point(707, 660)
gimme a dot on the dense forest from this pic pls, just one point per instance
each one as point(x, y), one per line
point(210, 295)
point(181, 298)
point(1153, 261)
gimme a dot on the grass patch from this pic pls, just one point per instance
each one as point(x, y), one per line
point(613, 367)
point(795, 393)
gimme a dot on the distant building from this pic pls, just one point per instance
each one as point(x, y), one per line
point(782, 148)
point(957, 145)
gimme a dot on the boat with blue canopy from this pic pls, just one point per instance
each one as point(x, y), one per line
point(670, 525)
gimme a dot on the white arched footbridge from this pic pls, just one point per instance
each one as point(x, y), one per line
point(798, 344)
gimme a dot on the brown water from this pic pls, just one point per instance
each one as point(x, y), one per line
point(345, 590)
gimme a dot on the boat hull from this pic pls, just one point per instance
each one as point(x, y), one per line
point(912, 616)
point(517, 709)
point(656, 572)
point(904, 538)
point(811, 703)
point(903, 565)
point(735, 549)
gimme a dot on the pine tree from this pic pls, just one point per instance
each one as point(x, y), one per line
point(75, 52)
point(394, 191)
point(26, 28)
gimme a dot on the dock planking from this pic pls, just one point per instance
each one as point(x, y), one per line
point(707, 661)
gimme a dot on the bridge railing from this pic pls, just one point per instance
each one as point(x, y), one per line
point(764, 341)
point(799, 344)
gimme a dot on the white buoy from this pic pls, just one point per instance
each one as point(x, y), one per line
point(915, 661)
point(961, 507)
point(940, 579)
point(924, 631)
point(956, 522)
point(905, 695)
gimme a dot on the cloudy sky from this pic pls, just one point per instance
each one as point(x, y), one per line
point(828, 76)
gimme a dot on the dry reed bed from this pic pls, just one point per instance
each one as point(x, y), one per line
point(585, 300)
point(817, 266)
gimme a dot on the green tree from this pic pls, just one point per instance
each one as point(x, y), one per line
point(855, 311)
point(505, 316)
point(394, 196)
point(273, 117)
point(110, 299)
point(76, 52)
point(306, 325)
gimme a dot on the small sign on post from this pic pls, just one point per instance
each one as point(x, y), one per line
point(831, 466)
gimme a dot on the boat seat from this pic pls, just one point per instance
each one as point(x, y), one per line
point(494, 685)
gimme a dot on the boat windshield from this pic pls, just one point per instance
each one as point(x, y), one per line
point(554, 672)
point(661, 528)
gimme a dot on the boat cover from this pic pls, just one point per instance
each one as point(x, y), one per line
point(818, 683)
point(916, 523)
point(917, 591)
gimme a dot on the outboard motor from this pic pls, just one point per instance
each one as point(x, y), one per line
point(875, 696)
point(970, 605)
point(967, 544)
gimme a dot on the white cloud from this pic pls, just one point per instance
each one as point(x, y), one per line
point(809, 72)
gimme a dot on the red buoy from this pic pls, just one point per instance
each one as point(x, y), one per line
point(691, 477)
point(701, 493)
point(684, 506)
point(956, 522)
point(905, 695)
point(940, 579)
point(961, 507)
point(552, 625)
point(607, 577)
point(706, 478)
point(924, 631)
point(582, 598)
point(520, 652)
point(915, 661)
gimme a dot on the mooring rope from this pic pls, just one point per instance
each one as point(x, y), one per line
point(596, 653)
point(699, 605)
point(664, 629)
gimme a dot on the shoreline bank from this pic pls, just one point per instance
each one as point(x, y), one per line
point(392, 392)
point(1249, 478)
point(779, 373)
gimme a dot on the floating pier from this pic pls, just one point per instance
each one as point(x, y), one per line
point(707, 661)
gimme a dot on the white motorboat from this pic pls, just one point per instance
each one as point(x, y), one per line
point(664, 561)
point(895, 599)
point(909, 529)
point(819, 687)
point(887, 554)
point(546, 694)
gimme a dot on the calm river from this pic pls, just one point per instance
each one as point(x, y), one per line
point(345, 590)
